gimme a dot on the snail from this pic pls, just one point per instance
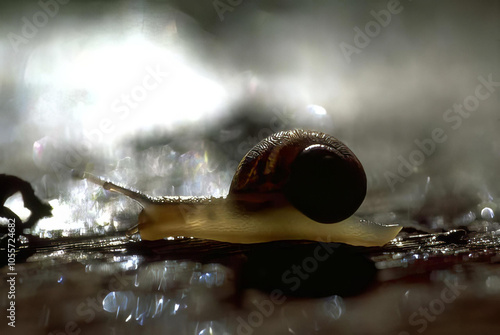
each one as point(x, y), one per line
point(293, 185)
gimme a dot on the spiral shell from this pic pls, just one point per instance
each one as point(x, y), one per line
point(312, 171)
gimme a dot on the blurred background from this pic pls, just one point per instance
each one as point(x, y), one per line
point(167, 96)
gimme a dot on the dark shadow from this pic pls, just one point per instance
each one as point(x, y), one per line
point(9, 185)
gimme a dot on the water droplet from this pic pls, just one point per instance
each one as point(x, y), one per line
point(117, 302)
point(487, 213)
point(334, 307)
point(316, 110)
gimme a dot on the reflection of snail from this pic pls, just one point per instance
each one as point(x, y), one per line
point(292, 185)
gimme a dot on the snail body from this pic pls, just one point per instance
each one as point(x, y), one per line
point(292, 185)
point(218, 219)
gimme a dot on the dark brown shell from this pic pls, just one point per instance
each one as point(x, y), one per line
point(313, 171)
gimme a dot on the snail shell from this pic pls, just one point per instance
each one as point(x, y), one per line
point(313, 171)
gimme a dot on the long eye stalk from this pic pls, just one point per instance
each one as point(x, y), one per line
point(142, 199)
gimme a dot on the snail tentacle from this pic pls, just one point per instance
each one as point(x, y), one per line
point(141, 198)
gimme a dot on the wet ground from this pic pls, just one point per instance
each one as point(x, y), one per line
point(441, 283)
